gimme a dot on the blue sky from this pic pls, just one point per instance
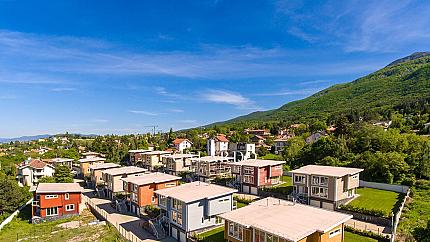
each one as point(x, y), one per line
point(120, 66)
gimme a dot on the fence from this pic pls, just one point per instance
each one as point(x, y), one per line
point(128, 235)
point(366, 227)
point(397, 216)
point(384, 186)
point(8, 219)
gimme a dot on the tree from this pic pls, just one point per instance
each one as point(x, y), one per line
point(47, 179)
point(63, 175)
point(11, 195)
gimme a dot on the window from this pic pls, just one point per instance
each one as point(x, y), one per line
point(153, 199)
point(52, 211)
point(334, 233)
point(172, 184)
point(300, 179)
point(162, 201)
point(177, 205)
point(177, 217)
point(248, 179)
point(51, 196)
point(235, 230)
point(224, 200)
point(66, 196)
point(70, 207)
point(218, 220)
point(355, 176)
point(320, 180)
point(320, 192)
point(248, 170)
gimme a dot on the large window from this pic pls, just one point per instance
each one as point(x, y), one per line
point(162, 201)
point(248, 179)
point(300, 179)
point(177, 205)
point(51, 196)
point(320, 180)
point(52, 211)
point(235, 230)
point(320, 192)
point(177, 217)
point(261, 236)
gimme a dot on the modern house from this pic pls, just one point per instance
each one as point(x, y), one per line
point(209, 167)
point(258, 139)
point(140, 189)
point(136, 156)
point(272, 219)
point(60, 162)
point(29, 171)
point(255, 173)
point(55, 200)
point(325, 186)
point(178, 163)
point(112, 178)
point(261, 132)
point(153, 160)
point(279, 144)
point(217, 146)
point(86, 162)
point(96, 172)
point(242, 151)
point(91, 154)
point(182, 144)
point(193, 207)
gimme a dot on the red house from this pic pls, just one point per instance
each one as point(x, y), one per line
point(55, 200)
point(254, 173)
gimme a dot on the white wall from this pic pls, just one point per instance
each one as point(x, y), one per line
point(384, 186)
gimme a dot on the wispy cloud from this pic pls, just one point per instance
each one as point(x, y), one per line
point(175, 110)
point(231, 98)
point(302, 92)
point(188, 121)
point(99, 120)
point(7, 97)
point(143, 112)
point(63, 89)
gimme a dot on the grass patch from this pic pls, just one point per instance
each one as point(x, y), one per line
point(351, 237)
point(21, 228)
point(285, 188)
point(374, 202)
point(214, 235)
point(416, 212)
point(271, 156)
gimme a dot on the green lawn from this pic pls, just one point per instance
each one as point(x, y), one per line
point(374, 199)
point(21, 228)
point(271, 156)
point(214, 235)
point(417, 212)
point(285, 188)
point(350, 237)
point(217, 235)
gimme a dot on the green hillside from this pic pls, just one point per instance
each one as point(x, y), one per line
point(404, 80)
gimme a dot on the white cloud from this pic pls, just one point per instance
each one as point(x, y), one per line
point(302, 92)
point(176, 110)
point(231, 98)
point(7, 97)
point(143, 112)
point(188, 121)
point(63, 89)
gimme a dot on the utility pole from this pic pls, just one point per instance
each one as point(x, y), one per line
point(153, 128)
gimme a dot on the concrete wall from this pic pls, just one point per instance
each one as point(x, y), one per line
point(384, 186)
point(217, 205)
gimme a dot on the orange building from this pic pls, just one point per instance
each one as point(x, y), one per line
point(141, 189)
point(55, 200)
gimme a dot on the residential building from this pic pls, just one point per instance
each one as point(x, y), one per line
point(182, 144)
point(140, 189)
point(255, 173)
point(217, 145)
point(279, 144)
point(177, 163)
point(29, 171)
point(315, 136)
point(258, 139)
point(208, 168)
point(112, 178)
point(60, 162)
point(85, 163)
point(96, 172)
point(325, 186)
point(153, 160)
point(272, 219)
point(55, 200)
point(91, 154)
point(261, 132)
point(136, 156)
point(242, 151)
point(193, 207)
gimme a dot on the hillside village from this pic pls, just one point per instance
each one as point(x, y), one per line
point(233, 186)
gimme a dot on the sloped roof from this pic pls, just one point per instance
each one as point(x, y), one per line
point(221, 138)
point(178, 141)
point(37, 164)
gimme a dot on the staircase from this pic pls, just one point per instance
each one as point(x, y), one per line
point(155, 227)
point(300, 198)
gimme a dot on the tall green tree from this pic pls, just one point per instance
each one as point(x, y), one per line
point(63, 175)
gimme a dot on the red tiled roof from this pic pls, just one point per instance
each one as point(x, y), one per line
point(221, 138)
point(37, 164)
point(178, 141)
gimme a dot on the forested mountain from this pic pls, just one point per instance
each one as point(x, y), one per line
point(403, 81)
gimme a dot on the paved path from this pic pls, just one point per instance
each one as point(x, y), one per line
point(378, 229)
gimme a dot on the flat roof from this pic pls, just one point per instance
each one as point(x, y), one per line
point(194, 191)
point(181, 156)
point(303, 220)
point(58, 187)
point(124, 170)
point(327, 170)
point(91, 159)
point(155, 177)
point(157, 152)
point(258, 162)
point(99, 166)
point(214, 158)
point(138, 151)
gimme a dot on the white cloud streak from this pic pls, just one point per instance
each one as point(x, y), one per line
point(231, 98)
point(143, 112)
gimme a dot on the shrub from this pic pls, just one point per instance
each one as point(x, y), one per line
point(242, 200)
point(370, 234)
point(373, 212)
